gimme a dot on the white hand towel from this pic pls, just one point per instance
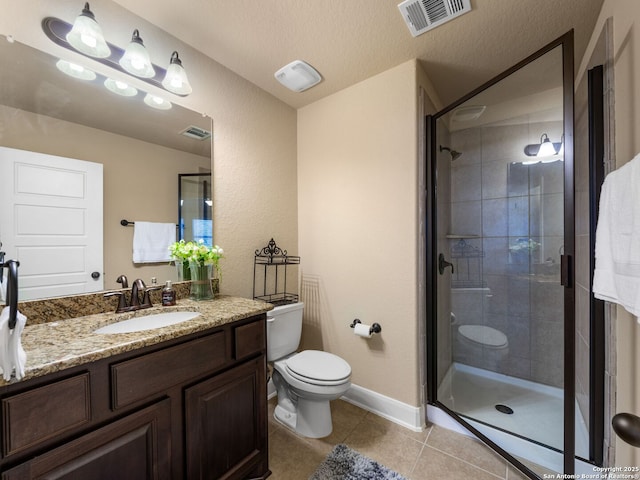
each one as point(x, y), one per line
point(5, 363)
point(17, 355)
point(12, 355)
point(151, 241)
point(617, 273)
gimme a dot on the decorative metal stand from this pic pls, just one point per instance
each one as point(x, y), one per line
point(468, 271)
point(273, 276)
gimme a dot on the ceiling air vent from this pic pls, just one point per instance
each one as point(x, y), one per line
point(423, 15)
point(196, 132)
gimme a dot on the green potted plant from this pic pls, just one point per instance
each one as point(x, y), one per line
point(203, 263)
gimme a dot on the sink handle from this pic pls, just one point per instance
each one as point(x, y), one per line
point(146, 299)
point(122, 301)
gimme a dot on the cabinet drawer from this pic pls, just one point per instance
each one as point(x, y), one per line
point(249, 339)
point(137, 446)
point(143, 377)
point(44, 412)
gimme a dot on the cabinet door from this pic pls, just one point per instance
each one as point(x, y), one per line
point(136, 447)
point(226, 424)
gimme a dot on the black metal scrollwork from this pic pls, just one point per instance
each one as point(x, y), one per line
point(271, 250)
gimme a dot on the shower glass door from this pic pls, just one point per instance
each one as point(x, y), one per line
point(501, 241)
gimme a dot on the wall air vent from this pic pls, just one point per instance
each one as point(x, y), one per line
point(423, 15)
point(196, 132)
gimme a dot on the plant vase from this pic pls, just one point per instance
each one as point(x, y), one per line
point(184, 270)
point(201, 281)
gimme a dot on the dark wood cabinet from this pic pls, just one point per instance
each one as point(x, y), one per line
point(225, 431)
point(189, 408)
point(137, 447)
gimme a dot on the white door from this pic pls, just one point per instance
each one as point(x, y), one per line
point(51, 221)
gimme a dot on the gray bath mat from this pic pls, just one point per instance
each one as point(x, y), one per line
point(346, 464)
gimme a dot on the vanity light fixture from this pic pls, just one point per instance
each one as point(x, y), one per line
point(136, 59)
point(120, 87)
point(133, 61)
point(86, 35)
point(156, 102)
point(298, 76)
point(546, 147)
point(176, 80)
point(74, 70)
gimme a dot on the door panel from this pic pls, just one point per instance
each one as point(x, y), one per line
point(51, 221)
point(501, 321)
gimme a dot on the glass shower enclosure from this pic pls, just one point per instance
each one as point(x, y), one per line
point(500, 246)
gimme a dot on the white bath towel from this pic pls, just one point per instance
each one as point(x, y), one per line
point(151, 241)
point(617, 273)
point(12, 355)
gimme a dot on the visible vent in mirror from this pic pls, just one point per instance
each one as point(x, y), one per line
point(423, 15)
point(196, 132)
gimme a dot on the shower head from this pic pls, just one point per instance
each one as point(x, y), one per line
point(454, 155)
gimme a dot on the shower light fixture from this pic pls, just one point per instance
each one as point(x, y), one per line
point(85, 37)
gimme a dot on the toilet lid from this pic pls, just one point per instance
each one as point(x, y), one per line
point(320, 368)
point(483, 335)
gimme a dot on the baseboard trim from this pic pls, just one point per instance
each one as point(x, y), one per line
point(394, 410)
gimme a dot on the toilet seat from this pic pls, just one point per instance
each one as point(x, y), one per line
point(483, 335)
point(318, 368)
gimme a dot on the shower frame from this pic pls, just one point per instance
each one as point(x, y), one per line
point(567, 276)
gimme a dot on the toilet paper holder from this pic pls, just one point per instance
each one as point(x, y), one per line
point(375, 328)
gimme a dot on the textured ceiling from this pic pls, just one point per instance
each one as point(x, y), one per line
point(348, 41)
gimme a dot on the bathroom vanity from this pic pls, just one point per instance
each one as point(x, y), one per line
point(179, 402)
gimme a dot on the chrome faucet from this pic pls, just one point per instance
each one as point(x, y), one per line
point(12, 290)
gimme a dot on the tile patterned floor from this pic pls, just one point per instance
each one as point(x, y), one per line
point(436, 453)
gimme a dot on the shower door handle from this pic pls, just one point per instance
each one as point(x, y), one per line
point(442, 264)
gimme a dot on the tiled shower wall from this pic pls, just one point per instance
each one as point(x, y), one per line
point(517, 287)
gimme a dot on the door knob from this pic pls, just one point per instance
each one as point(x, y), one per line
point(442, 264)
point(95, 275)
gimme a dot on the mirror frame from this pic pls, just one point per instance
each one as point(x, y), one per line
point(205, 210)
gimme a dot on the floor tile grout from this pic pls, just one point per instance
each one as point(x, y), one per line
point(352, 422)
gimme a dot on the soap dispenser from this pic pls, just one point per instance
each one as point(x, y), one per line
point(168, 295)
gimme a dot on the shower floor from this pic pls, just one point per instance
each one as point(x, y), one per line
point(537, 409)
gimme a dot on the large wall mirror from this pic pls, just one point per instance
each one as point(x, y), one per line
point(142, 149)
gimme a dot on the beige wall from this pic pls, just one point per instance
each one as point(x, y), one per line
point(626, 39)
point(140, 180)
point(358, 228)
point(254, 139)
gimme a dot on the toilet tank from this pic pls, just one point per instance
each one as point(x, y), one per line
point(284, 327)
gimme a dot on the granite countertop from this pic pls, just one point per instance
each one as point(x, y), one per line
point(54, 346)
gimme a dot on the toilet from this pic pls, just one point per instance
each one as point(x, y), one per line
point(475, 344)
point(481, 342)
point(305, 381)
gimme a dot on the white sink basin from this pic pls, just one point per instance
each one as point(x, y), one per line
point(148, 322)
